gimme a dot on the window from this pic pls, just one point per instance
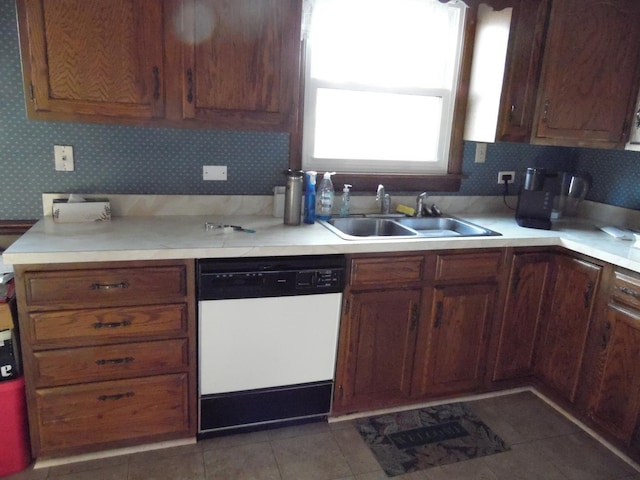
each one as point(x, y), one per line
point(380, 85)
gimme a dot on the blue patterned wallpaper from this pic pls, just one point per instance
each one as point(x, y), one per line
point(144, 160)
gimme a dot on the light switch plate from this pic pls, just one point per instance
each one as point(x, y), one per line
point(63, 155)
point(214, 172)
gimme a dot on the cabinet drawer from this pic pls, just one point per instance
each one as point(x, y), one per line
point(386, 270)
point(105, 287)
point(468, 266)
point(107, 324)
point(100, 413)
point(626, 289)
point(91, 364)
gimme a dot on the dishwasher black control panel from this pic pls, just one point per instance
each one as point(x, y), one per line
point(270, 276)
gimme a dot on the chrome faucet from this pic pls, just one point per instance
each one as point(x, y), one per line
point(420, 207)
point(384, 198)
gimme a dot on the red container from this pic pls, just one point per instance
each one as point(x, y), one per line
point(14, 434)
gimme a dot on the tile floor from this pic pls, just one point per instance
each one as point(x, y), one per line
point(544, 445)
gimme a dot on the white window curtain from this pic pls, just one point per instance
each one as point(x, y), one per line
point(380, 84)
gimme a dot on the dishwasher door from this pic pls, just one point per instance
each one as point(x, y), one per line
point(256, 343)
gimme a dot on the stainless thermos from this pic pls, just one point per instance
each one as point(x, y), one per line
point(293, 197)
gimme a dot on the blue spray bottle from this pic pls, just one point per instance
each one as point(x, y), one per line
point(310, 197)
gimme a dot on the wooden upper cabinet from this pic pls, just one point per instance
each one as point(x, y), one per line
point(202, 63)
point(589, 77)
point(507, 58)
point(522, 70)
point(92, 58)
point(240, 62)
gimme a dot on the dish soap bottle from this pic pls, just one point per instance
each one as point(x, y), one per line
point(346, 198)
point(310, 197)
point(325, 197)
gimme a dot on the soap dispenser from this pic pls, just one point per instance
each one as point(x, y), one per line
point(346, 198)
point(310, 197)
point(325, 197)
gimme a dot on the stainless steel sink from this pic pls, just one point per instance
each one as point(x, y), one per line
point(445, 227)
point(351, 228)
point(356, 228)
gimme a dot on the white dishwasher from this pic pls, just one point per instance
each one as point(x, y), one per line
point(267, 338)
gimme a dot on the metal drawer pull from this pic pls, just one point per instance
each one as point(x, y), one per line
point(117, 396)
point(628, 291)
point(114, 361)
point(109, 286)
point(124, 323)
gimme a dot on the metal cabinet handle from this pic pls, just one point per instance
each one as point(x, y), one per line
point(189, 85)
point(117, 396)
point(109, 286)
point(606, 334)
point(438, 321)
point(114, 361)
point(588, 294)
point(124, 323)
point(545, 112)
point(414, 316)
point(628, 291)
point(638, 119)
point(516, 281)
point(156, 83)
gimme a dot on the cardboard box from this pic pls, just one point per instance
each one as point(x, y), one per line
point(6, 318)
point(91, 210)
point(8, 364)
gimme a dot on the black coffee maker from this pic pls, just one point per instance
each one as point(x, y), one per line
point(535, 201)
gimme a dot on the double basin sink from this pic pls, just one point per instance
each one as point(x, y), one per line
point(387, 227)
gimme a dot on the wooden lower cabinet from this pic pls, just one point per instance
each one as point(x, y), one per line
point(74, 417)
point(459, 322)
point(109, 354)
point(526, 293)
point(567, 320)
point(379, 340)
point(414, 327)
point(613, 379)
point(616, 401)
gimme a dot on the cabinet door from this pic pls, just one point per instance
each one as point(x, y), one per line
point(562, 344)
point(460, 319)
point(589, 74)
point(522, 70)
point(528, 282)
point(616, 402)
point(92, 58)
point(241, 66)
point(376, 350)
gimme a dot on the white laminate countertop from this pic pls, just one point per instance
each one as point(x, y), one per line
point(185, 236)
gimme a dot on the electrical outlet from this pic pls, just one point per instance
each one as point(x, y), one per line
point(511, 176)
point(63, 156)
point(214, 172)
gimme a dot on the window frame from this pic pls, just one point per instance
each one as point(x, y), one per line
point(405, 182)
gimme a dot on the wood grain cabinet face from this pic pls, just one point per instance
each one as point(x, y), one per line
point(567, 321)
point(522, 70)
point(589, 79)
point(613, 378)
point(189, 63)
point(77, 416)
point(93, 58)
point(525, 299)
point(616, 402)
point(459, 322)
point(414, 327)
point(242, 65)
point(378, 342)
point(108, 353)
